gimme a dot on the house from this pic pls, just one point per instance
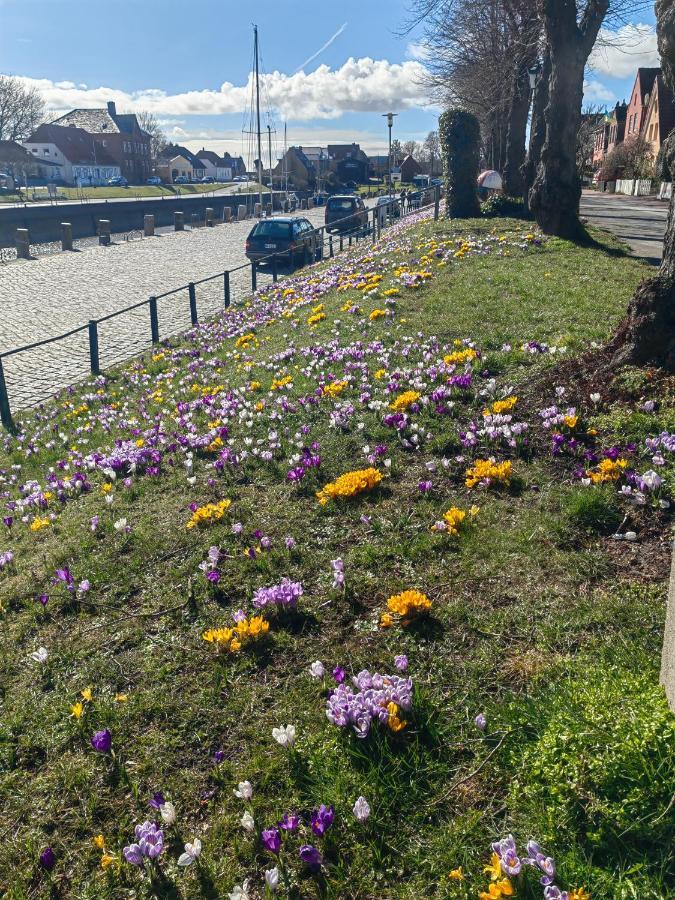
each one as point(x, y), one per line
point(660, 115)
point(216, 166)
point(617, 126)
point(120, 136)
point(378, 166)
point(639, 101)
point(297, 167)
point(71, 155)
point(409, 168)
point(177, 161)
point(18, 162)
point(600, 141)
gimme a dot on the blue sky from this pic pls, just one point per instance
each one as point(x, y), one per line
point(189, 63)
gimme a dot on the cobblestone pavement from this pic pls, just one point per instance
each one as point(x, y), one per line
point(51, 295)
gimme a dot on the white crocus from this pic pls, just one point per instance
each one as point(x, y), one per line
point(285, 736)
point(247, 822)
point(361, 809)
point(168, 812)
point(120, 525)
point(316, 670)
point(244, 790)
point(192, 852)
point(240, 892)
point(41, 655)
point(272, 879)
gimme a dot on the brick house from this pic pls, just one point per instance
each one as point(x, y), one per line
point(659, 118)
point(409, 168)
point(71, 155)
point(617, 126)
point(120, 135)
point(639, 101)
point(297, 168)
point(600, 141)
point(177, 161)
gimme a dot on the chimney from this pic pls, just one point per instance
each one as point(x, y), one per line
point(111, 108)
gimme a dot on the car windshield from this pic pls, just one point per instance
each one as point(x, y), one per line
point(271, 229)
point(337, 203)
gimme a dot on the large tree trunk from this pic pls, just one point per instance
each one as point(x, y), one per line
point(647, 334)
point(554, 198)
point(513, 182)
point(537, 126)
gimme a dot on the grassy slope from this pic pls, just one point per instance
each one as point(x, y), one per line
point(145, 190)
point(527, 608)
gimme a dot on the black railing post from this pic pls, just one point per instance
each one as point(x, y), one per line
point(154, 320)
point(375, 225)
point(342, 243)
point(5, 411)
point(226, 288)
point(274, 268)
point(93, 347)
point(193, 303)
point(331, 252)
point(437, 201)
point(254, 275)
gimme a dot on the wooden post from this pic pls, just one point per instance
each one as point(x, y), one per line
point(227, 214)
point(93, 347)
point(254, 275)
point(66, 236)
point(241, 212)
point(437, 201)
point(274, 269)
point(154, 321)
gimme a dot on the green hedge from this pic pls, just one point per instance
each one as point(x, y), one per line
point(459, 133)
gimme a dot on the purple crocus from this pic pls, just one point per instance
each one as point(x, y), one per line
point(219, 756)
point(157, 800)
point(311, 856)
point(48, 859)
point(149, 844)
point(401, 662)
point(102, 741)
point(322, 819)
point(339, 674)
point(271, 839)
point(289, 822)
point(537, 857)
point(480, 722)
point(508, 856)
point(43, 599)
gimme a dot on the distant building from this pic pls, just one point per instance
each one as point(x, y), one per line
point(120, 135)
point(409, 168)
point(659, 118)
point(378, 166)
point(639, 101)
point(297, 167)
point(179, 162)
point(600, 141)
point(617, 126)
point(71, 155)
point(215, 166)
point(18, 162)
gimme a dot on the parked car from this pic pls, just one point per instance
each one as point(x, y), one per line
point(208, 179)
point(292, 238)
point(345, 212)
point(154, 179)
point(389, 205)
point(118, 181)
point(241, 178)
point(181, 179)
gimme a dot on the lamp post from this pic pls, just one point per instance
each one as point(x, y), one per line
point(390, 122)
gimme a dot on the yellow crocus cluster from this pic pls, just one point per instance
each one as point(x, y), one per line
point(334, 388)
point(395, 723)
point(40, 522)
point(404, 400)
point(350, 484)
point(501, 406)
point(208, 514)
point(316, 318)
point(501, 888)
point(454, 518)
point(460, 356)
point(244, 340)
point(279, 383)
point(405, 605)
point(487, 471)
point(233, 639)
point(377, 314)
point(607, 470)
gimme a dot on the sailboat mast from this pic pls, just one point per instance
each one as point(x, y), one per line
point(257, 111)
point(269, 146)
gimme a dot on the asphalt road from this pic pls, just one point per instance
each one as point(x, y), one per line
point(639, 221)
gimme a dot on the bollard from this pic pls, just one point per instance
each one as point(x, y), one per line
point(104, 232)
point(148, 225)
point(226, 288)
point(154, 320)
point(303, 203)
point(93, 347)
point(193, 303)
point(178, 221)
point(66, 236)
point(241, 213)
point(254, 275)
point(209, 217)
point(22, 243)
point(5, 411)
point(227, 214)
point(257, 210)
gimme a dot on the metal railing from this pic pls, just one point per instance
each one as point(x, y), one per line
point(323, 245)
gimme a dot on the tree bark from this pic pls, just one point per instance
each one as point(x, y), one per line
point(647, 334)
point(513, 182)
point(537, 126)
point(555, 194)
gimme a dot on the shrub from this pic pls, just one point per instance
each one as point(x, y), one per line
point(460, 145)
point(501, 205)
point(602, 769)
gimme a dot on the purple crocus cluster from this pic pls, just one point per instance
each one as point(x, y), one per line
point(285, 594)
point(129, 459)
point(512, 864)
point(309, 459)
point(149, 844)
point(367, 701)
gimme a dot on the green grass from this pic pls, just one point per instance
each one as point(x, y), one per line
point(131, 192)
point(537, 621)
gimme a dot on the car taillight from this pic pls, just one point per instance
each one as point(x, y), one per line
point(248, 245)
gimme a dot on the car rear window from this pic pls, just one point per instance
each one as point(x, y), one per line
point(271, 229)
point(336, 203)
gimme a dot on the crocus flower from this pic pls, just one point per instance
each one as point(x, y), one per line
point(191, 853)
point(289, 822)
point(361, 809)
point(149, 844)
point(41, 655)
point(480, 721)
point(311, 856)
point(247, 822)
point(244, 790)
point(240, 892)
point(271, 839)
point(102, 741)
point(219, 756)
point(322, 819)
point(338, 567)
point(506, 851)
point(272, 879)
point(316, 670)
point(48, 859)
point(43, 599)
point(157, 800)
point(168, 812)
point(285, 736)
point(339, 674)
point(401, 662)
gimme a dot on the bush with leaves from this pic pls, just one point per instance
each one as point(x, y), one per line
point(460, 147)
point(501, 205)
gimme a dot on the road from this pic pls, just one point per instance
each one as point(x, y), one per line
point(639, 221)
point(50, 295)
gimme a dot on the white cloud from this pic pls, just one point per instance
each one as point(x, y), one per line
point(621, 52)
point(418, 51)
point(597, 92)
point(359, 85)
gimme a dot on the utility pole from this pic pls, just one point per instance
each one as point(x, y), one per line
point(257, 109)
point(269, 146)
point(390, 122)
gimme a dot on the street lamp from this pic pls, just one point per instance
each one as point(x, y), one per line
point(390, 122)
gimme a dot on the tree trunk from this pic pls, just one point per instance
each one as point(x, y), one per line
point(513, 181)
point(537, 126)
point(647, 334)
point(555, 194)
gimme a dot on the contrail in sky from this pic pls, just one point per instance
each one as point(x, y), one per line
point(321, 49)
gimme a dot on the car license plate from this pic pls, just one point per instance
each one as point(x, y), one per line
point(270, 246)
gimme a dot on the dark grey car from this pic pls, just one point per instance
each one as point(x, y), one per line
point(292, 239)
